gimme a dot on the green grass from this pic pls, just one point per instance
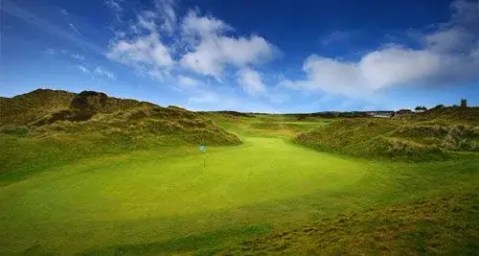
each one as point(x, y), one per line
point(159, 200)
point(170, 183)
point(444, 225)
point(393, 139)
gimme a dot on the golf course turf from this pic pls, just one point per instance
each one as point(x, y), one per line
point(149, 185)
point(79, 193)
point(164, 201)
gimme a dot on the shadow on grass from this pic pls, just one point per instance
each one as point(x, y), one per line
point(205, 243)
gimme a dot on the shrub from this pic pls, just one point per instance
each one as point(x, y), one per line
point(19, 131)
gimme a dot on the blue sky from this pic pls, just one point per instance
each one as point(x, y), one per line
point(260, 56)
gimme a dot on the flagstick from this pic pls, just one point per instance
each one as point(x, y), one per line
point(204, 159)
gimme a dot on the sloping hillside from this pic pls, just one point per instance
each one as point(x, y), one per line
point(46, 127)
point(26, 108)
point(46, 113)
point(429, 136)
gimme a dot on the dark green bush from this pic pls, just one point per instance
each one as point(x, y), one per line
point(19, 131)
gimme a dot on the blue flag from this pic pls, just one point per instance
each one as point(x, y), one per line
point(203, 148)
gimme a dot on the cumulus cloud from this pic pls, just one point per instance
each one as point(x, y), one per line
point(213, 50)
point(145, 54)
point(393, 65)
point(162, 44)
point(203, 26)
point(251, 82)
point(449, 53)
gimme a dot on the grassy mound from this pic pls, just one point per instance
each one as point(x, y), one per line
point(447, 225)
point(48, 127)
point(393, 138)
point(47, 113)
point(447, 115)
point(27, 108)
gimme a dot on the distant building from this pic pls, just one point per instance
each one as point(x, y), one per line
point(381, 114)
point(463, 103)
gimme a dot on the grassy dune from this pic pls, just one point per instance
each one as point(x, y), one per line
point(45, 128)
point(409, 139)
point(79, 190)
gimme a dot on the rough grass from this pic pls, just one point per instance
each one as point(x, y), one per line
point(446, 225)
point(47, 113)
point(392, 138)
point(26, 108)
point(447, 115)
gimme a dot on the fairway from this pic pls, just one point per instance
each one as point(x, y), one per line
point(167, 183)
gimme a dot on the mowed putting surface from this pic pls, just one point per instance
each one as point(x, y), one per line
point(115, 200)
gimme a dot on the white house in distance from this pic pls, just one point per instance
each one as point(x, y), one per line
point(381, 114)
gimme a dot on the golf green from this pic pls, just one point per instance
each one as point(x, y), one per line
point(86, 204)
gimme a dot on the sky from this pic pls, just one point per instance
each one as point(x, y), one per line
point(277, 56)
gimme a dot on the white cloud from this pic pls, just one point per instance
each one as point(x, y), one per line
point(449, 53)
point(465, 12)
point(212, 51)
point(146, 20)
point(188, 82)
point(116, 8)
point(335, 36)
point(168, 15)
point(329, 75)
point(103, 72)
point(393, 66)
point(114, 5)
point(146, 54)
point(74, 29)
point(160, 42)
point(203, 26)
point(144, 50)
point(77, 56)
point(98, 71)
point(51, 51)
point(84, 69)
point(251, 82)
point(453, 39)
point(204, 97)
